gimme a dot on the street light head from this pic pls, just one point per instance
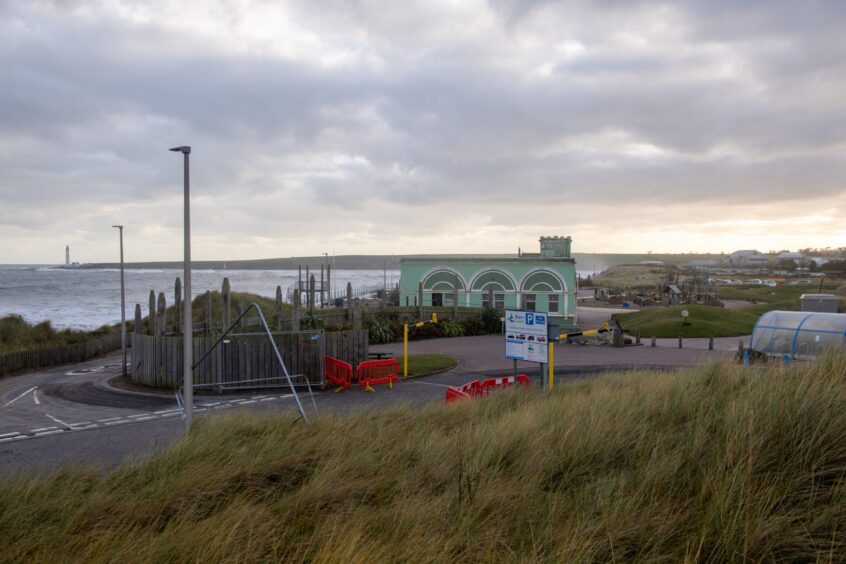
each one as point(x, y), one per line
point(118, 226)
point(185, 149)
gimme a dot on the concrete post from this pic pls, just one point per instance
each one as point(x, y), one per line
point(653, 342)
point(680, 341)
point(278, 312)
point(138, 328)
point(225, 291)
point(151, 320)
point(710, 343)
point(349, 301)
point(637, 337)
point(161, 317)
point(311, 290)
point(208, 311)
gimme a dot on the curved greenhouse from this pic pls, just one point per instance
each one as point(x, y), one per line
point(799, 334)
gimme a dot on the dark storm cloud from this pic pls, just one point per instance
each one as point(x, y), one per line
point(356, 107)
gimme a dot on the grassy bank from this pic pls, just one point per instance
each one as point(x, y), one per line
point(419, 364)
point(18, 335)
point(715, 464)
point(703, 321)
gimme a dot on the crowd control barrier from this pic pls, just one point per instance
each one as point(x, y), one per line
point(337, 372)
point(372, 372)
point(492, 384)
point(476, 389)
point(467, 391)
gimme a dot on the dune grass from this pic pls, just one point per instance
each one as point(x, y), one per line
point(720, 463)
point(19, 335)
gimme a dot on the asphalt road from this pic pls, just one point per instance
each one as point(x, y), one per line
point(73, 415)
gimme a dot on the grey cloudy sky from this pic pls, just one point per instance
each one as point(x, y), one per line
point(435, 126)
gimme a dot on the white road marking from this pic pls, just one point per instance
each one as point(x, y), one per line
point(431, 384)
point(57, 420)
point(108, 419)
point(49, 432)
point(138, 415)
point(10, 439)
point(9, 434)
point(245, 402)
point(35, 397)
point(120, 422)
point(43, 429)
point(75, 428)
point(147, 418)
point(10, 402)
point(166, 411)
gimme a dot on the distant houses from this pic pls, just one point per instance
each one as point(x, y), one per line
point(748, 259)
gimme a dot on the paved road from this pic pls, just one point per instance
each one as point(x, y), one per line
point(73, 415)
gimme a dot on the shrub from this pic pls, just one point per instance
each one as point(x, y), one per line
point(452, 328)
point(380, 331)
point(313, 323)
point(473, 326)
point(491, 320)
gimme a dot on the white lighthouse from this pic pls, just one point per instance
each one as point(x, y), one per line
point(67, 255)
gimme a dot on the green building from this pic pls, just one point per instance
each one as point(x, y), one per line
point(543, 281)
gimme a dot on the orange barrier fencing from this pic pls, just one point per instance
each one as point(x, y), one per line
point(493, 384)
point(469, 390)
point(338, 372)
point(370, 372)
point(476, 389)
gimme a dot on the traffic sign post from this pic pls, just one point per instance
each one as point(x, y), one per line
point(526, 338)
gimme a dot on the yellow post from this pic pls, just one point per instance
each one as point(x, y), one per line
point(551, 366)
point(405, 350)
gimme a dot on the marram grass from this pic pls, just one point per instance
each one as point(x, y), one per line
point(714, 464)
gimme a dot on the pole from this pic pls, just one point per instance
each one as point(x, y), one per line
point(551, 366)
point(122, 304)
point(405, 350)
point(187, 332)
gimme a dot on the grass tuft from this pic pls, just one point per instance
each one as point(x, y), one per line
point(719, 463)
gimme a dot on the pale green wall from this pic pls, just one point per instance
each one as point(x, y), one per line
point(529, 274)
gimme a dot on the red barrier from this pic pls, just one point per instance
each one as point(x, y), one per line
point(469, 390)
point(338, 372)
point(385, 371)
point(492, 384)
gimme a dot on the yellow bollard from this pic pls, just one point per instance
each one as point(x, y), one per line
point(551, 366)
point(405, 350)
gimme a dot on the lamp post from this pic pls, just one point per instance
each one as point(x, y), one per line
point(122, 304)
point(187, 332)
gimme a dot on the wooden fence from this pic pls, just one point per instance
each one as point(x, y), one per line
point(240, 358)
point(40, 358)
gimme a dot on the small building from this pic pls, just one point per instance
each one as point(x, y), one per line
point(748, 259)
point(825, 303)
point(543, 281)
point(798, 335)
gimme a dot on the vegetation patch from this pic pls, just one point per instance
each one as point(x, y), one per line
point(719, 463)
point(702, 321)
point(419, 364)
point(18, 335)
point(631, 276)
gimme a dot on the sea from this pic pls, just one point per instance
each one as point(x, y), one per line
point(83, 298)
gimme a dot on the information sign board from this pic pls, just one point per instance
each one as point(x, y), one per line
point(526, 336)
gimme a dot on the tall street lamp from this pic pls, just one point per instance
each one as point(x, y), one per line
point(122, 303)
point(187, 332)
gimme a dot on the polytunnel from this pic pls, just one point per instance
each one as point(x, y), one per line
point(801, 335)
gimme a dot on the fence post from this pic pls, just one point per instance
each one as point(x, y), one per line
point(653, 342)
point(278, 313)
point(151, 320)
point(177, 306)
point(295, 311)
point(637, 336)
point(225, 290)
point(420, 300)
point(680, 341)
point(161, 317)
point(710, 343)
point(740, 345)
point(329, 285)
